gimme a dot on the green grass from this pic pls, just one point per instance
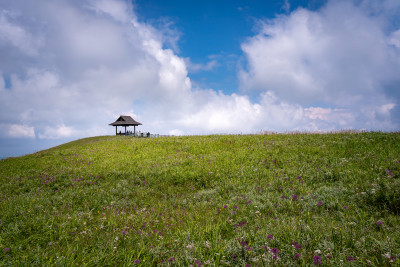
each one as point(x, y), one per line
point(215, 200)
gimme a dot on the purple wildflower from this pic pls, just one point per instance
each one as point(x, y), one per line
point(243, 243)
point(226, 206)
point(296, 245)
point(319, 203)
point(172, 259)
point(297, 256)
point(317, 260)
point(235, 207)
point(345, 207)
point(137, 261)
point(379, 222)
point(242, 223)
point(275, 251)
point(124, 232)
point(198, 262)
point(350, 258)
point(6, 249)
point(248, 265)
point(329, 256)
point(294, 197)
point(248, 202)
point(270, 237)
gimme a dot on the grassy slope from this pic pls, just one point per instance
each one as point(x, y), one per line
point(209, 199)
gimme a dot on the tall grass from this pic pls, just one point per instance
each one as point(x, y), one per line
point(283, 199)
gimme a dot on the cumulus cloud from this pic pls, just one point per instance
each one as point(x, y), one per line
point(339, 56)
point(58, 132)
point(16, 131)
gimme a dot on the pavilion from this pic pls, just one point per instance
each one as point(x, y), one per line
point(125, 121)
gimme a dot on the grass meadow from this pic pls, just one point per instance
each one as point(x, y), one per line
point(222, 200)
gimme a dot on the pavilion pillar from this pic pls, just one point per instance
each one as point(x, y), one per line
point(125, 130)
point(134, 129)
point(116, 130)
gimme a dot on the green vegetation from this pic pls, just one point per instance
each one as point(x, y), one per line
point(284, 199)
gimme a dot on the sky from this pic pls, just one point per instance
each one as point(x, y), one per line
point(68, 68)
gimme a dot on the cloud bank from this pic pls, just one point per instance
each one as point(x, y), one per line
point(69, 68)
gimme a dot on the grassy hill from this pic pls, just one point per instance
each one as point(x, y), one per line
point(293, 199)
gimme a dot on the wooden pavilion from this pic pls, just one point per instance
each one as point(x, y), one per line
point(125, 121)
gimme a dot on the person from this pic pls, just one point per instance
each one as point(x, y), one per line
point(148, 134)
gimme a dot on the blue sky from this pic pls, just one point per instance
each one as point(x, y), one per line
point(68, 68)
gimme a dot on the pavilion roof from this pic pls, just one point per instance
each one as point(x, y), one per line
point(125, 121)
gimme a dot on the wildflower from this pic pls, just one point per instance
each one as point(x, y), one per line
point(317, 260)
point(345, 207)
point(242, 223)
point(319, 203)
point(248, 265)
point(124, 232)
point(172, 259)
point(297, 256)
point(350, 258)
point(235, 207)
point(318, 251)
point(6, 249)
point(270, 237)
point(275, 251)
point(198, 262)
point(329, 256)
point(226, 206)
point(248, 202)
point(294, 197)
point(296, 245)
point(137, 261)
point(243, 243)
point(379, 222)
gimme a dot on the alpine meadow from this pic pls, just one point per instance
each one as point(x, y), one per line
point(296, 199)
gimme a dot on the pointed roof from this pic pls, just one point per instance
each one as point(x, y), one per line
point(125, 121)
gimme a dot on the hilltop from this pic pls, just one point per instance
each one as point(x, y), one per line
point(288, 199)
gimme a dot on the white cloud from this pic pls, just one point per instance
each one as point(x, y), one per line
point(17, 131)
point(58, 132)
point(338, 56)
point(16, 36)
point(195, 67)
point(120, 11)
